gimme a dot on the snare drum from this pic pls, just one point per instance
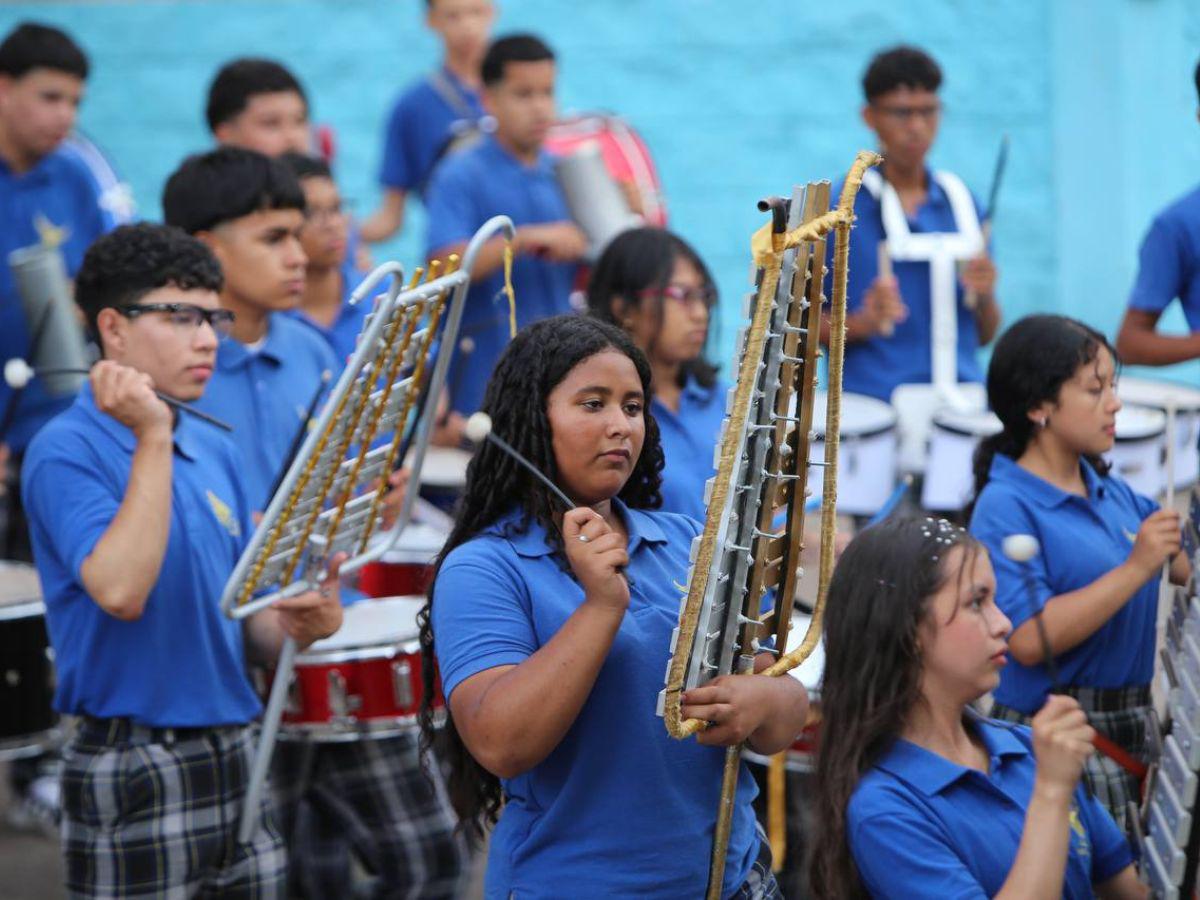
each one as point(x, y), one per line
point(27, 717)
point(407, 569)
point(444, 475)
point(1137, 453)
point(1186, 402)
point(866, 453)
point(949, 477)
point(364, 681)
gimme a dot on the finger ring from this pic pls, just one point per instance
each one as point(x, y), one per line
point(584, 538)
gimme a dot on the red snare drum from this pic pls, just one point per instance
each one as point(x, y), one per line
point(362, 682)
point(407, 569)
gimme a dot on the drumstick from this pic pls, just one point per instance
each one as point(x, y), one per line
point(479, 429)
point(301, 433)
point(888, 327)
point(18, 373)
point(971, 299)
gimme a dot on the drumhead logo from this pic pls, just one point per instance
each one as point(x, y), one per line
point(224, 514)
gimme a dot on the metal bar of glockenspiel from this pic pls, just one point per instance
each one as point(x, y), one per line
point(266, 741)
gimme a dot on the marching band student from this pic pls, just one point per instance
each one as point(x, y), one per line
point(506, 172)
point(258, 104)
point(1052, 382)
point(550, 628)
point(655, 286)
point(329, 276)
point(902, 203)
point(368, 795)
point(917, 795)
point(434, 113)
point(249, 209)
point(132, 568)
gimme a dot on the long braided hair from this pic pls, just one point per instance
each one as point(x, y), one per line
point(532, 365)
point(878, 600)
point(1031, 362)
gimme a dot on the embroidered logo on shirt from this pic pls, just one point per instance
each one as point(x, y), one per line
point(224, 514)
point(1130, 536)
point(1080, 845)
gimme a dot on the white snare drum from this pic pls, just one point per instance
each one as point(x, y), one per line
point(866, 453)
point(362, 682)
point(949, 477)
point(443, 475)
point(1137, 453)
point(1186, 401)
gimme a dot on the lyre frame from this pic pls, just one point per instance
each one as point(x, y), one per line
point(243, 581)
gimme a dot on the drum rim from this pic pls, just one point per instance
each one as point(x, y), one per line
point(23, 609)
point(344, 732)
point(1188, 406)
point(850, 437)
point(960, 431)
point(365, 652)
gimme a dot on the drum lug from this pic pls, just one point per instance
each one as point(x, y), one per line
point(402, 684)
point(342, 704)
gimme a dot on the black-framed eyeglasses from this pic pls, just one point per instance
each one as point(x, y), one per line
point(184, 316)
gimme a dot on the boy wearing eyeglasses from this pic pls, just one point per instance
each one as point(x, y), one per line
point(908, 218)
point(132, 568)
point(249, 210)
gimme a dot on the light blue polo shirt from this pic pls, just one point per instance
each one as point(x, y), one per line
point(420, 128)
point(182, 663)
point(265, 395)
point(74, 189)
point(466, 191)
point(342, 334)
point(689, 438)
point(1169, 261)
point(920, 825)
point(877, 365)
point(1081, 540)
point(619, 808)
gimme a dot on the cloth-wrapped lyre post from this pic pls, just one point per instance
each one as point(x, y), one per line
point(762, 463)
point(380, 412)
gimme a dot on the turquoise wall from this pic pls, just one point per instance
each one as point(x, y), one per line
point(736, 100)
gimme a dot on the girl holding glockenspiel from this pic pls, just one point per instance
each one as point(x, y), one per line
point(1052, 383)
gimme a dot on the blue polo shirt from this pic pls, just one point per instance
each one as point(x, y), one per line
point(421, 125)
point(920, 825)
point(466, 191)
point(689, 438)
point(74, 189)
point(265, 395)
point(1169, 261)
point(876, 366)
point(342, 334)
point(619, 808)
point(1081, 540)
point(182, 663)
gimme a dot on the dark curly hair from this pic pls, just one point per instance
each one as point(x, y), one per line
point(239, 80)
point(228, 183)
point(131, 261)
point(532, 365)
point(878, 599)
point(639, 262)
point(900, 66)
point(1031, 362)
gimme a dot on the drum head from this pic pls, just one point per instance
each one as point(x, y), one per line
point(983, 423)
point(444, 467)
point(862, 416)
point(1136, 423)
point(809, 672)
point(20, 591)
point(386, 622)
point(1157, 394)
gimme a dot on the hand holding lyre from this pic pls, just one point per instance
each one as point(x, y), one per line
point(598, 556)
point(393, 500)
point(315, 614)
point(1062, 743)
point(128, 396)
point(768, 712)
point(1158, 539)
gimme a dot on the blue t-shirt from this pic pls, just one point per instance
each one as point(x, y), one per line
point(876, 366)
point(182, 663)
point(467, 190)
point(72, 188)
point(342, 334)
point(619, 808)
point(421, 126)
point(1081, 540)
point(920, 825)
point(265, 395)
point(1169, 261)
point(689, 438)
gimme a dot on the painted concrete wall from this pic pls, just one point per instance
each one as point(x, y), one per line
point(736, 100)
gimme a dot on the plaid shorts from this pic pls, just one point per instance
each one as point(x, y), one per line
point(760, 883)
point(372, 799)
point(1120, 715)
point(154, 812)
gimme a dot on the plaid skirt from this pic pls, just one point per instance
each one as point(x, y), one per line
point(1120, 714)
point(760, 883)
